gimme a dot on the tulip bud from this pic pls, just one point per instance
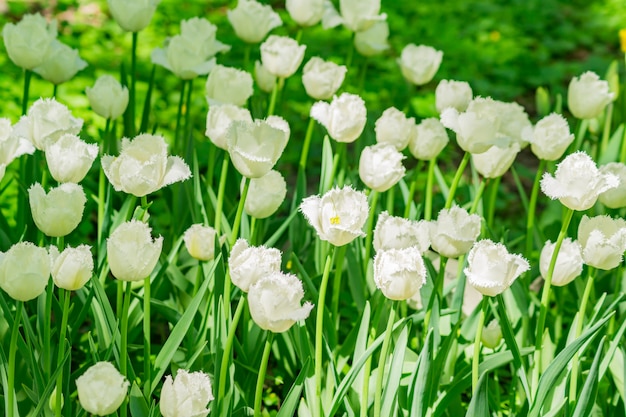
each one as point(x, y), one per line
point(72, 268)
point(101, 389)
point(344, 118)
point(322, 79)
point(248, 264)
point(228, 85)
point(429, 139)
point(69, 159)
point(305, 12)
point(264, 79)
point(569, 261)
point(186, 395)
point(133, 16)
point(108, 98)
point(603, 240)
point(24, 271)
point(265, 195)
point(58, 212)
point(60, 64)
point(394, 128)
point(372, 41)
point(588, 95)
point(200, 242)
point(550, 137)
point(27, 42)
point(454, 232)
point(491, 335)
point(52, 400)
point(252, 21)
point(542, 101)
point(393, 232)
point(615, 197)
point(282, 55)
point(399, 273)
point(380, 166)
point(455, 94)
point(419, 63)
point(276, 302)
point(132, 252)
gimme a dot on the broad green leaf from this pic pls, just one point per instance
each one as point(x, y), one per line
point(418, 401)
point(479, 404)
point(390, 390)
point(587, 397)
point(138, 405)
point(291, 401)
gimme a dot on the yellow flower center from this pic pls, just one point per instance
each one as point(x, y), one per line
point(334, 220)
point(622, 39)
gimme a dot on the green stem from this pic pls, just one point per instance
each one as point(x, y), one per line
point(479, 193)
point(277, 87)
point(199, 278)
point(258, 394)
point(370, 226)
point(491, 207)
point(132, 94)
point(381, 363)
point(307, 144)
point(147, 361)
point(438, 292)
point(187, 143)
point(606, 131)
point(580, 135)
point(319, 327)
point(341, 253)
point(456, 180)
point(390, 200)
point(46, 330)
point(545, 298)
point(367, 368)
point(428, 200)
point(179, 113)
point(622, 154)
point(124, 341)
point(55, 89)
point(19, 306)
point(242, 201)
point(477, 341)
point(532, 206)
point(220, 194)
point(65, 300)
point(412, 189)
point(226, 354)
point(27, 77)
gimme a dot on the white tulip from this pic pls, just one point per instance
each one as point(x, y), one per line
point(603, 240)
point(248, 264)
point(419, 64)
point(374, 40)
point(265, 195)
point(322, 79)
point(70, 158)
point(305, 12)
point(399, 273)
point(132, 252)
point(380, 166)
point(60, 64)
point(569, 261)
point(451, 93)
point(264, 79)
point(252, 21)
point(24, 271)
point(496, 160)
point(344, 118)
point(392, 232)
point(393, 127)
point(282, 55)
point(58, 212)
point(428, 140)
point(359, 15)
point(108, 98)
point(226, 85)
point(186, 395)
point(454, 232)
point(200, 242)
point(27, 41)
point(133, 16)
point(588, 95)
point(550, 137)
point(101, 389)
point(219, 119)
point(12, 146)
point(72, 268)
point(614, 197)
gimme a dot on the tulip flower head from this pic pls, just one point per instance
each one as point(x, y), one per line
point(101, 389)
point(451, 93)
point(360, 15)
point(24, 271)
point(186, 395)
point(428, 140)
point(108, 98)
point(305, 12)
point(28, 41)
point(252, 21)
point(133, 16)
point(344, 118)
point(399, 273)
point(265, 195)
point(282, 55)
point(322, 79)
point(248, 264)
point(219, 119)
point(60, 64)
point(454, 232)
point(577, 182)
point(338, 216)
point(496, 160)
point(12, 146)
point(491, 269)
point(588, 95)
point(380, 166)
point(419, 64)
point(72, 268)
point(614, 197)
point(59, 211)
point(550, 137)
point(227, 85)
point(569, 261)
point(276, 302)
point(374, 40)
point(70, 158)
point(132, 252)
point(393, 127)
point(603, 240)
point(392, 232)
point(200, 242)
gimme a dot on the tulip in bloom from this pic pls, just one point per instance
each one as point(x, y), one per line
point(359, 15)
point(491, 269)
point(264, 79)
point(496, 160)
point(276, 302)
point(392, 232)
point(70, 158)
point(394, 128)
point(200, 242)
point(399, 273)
point(338, 216)
point(419, 63)
point(58, 212)
point(133, 16)
point(72, 268)
point(219, 119)
point(27, 42)
point(588, 95)
point(569, 261)
point(374, 40)
point(24, 271)
point(46, 121)
point(305, 12)
point(255, 147)
point(108, 97)
point(380, 166)
point(11, 146)
point(322, 79)
point(186, 395)
point(252, 21)
point(451, 93)
point(60, 64)
point(101, 389)
point(550, 137)
point(476, 128)
point(228, 85)
point(615, 197)
point(454, 232)
point(344, 118)
point(143, 166)
point(132, 252)
point(281, 55)
point(577, 182)
point(248, 264)
point(428, 140)
point(603, 240)
point(265, 195)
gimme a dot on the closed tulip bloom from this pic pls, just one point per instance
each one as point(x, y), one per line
point(255, 147)
point(588, 95)
point(344, 118)
point(219, 119)
point(603, 240)
point(12, 146)
point(70, 158)
point(133, 16)
point(615, 197)
point(58, 212)
point(252, 21)
point(380, 166)
point(569, 261)
point(276, 302)
point(359, 15)
point(372, 41)
point(226, 85)
point(476, 128)
point(264, 79)
point(428, 140)
point(27, 42)
point(72, 268)
point(451, 93)
point(24, 271)
point(550, 137)
point(46, 121)
point(496, 160)
point(419, 64)
point(514, 122)
point(305, 12)
point(187, 395)
point(265, 195)
point(491, 335)
point(338, 216)
point(394, 128)
point(108, 98)
point(60, 64)
point(248, 264)
point(282, 55)
point(101, 389)
point(200, 242)
point(132, 252)
point(392, 232)
point(322, 79)
point(491, 269)
point(454, 232)
point(399, 273)
point(577, 182)
point(143, 166)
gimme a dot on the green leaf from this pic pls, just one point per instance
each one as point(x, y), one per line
point(587, 397)
point(326, 176)
point(418, 401)
point(479, 404)
point(138, 405)
point(390, 391)
point(291, 401)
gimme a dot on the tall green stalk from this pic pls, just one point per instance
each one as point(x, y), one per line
point(221, 189)
point(380, 377)
point(341, 254)
point(258, 393)
point(319, 327)
point(477, 342)
point(230, 338)
point(28, 74)
point(64, 296)
point(532, 206)
point(456, 180)
point(412, 189)
point(124, 341)
point(369, 229)
point(19, 306)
